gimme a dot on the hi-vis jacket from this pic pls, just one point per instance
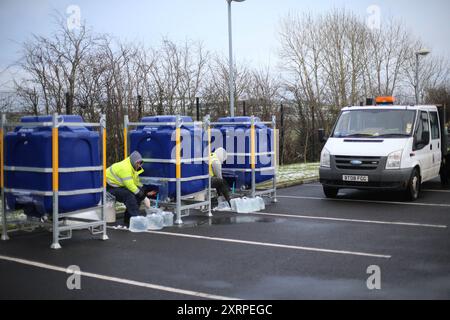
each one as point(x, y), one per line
point(215, 169)
point(122, 174)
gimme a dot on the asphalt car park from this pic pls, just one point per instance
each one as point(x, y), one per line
point(303, 247)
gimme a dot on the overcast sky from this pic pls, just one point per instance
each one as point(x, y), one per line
point(255, 22)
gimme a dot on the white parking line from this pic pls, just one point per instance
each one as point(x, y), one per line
point(409, 224)
point(436, 190)
point(117, 280)
point(266, 244)
point(314, 185)
point(370, 201)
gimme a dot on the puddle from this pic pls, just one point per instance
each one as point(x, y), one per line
point(194, 221)
point(240, 219)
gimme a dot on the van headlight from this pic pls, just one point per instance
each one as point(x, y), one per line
point(394, 160)
point(325, 158)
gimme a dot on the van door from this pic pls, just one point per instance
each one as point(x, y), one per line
point(422, 145)
point(435, 145)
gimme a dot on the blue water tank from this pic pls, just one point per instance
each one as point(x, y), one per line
point(32, 147)
point(236, 140)
point(158, 142)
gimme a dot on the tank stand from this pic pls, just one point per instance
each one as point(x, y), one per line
point(58, 225)
point(55, 246)
point(179, 222)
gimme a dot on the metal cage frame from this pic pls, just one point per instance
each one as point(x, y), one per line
point(60, 230)
point(182, 204)
point(254, 192)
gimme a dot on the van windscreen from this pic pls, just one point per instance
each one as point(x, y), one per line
point(375, 123)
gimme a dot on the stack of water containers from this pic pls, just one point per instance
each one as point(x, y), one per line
point(236, 141)
point(156, 143)
point(156, 219)
point(31, 148)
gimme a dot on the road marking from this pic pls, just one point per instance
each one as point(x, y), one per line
point(370, 201)
point(409, 224)
point(436, 190)
point(423, 190)
point(267, 244)
point(118, 280)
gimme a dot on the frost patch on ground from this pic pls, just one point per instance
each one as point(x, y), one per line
point(296, 173)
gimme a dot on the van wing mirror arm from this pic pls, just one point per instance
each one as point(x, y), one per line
point(321, 134)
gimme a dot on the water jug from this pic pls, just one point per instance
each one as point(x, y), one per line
point(155, 221)
point(138, 224)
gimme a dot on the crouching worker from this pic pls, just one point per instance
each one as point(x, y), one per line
point(217, 158)
point(124, 184)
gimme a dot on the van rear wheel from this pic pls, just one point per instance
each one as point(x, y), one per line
point(413, 190)
point(330, 192)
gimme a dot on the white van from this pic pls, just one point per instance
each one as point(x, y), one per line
point(384, 147)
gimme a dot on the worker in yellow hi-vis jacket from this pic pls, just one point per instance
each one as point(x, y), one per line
point(124, 184)
point(217, 181)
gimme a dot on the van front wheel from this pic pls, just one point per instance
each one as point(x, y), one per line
point(330, 192)
point(413, 190)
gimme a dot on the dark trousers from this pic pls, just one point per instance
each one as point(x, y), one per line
point(221, 186)
point(131, 201)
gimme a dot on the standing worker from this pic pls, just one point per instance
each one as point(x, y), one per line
point(124, 184)
point(217, 158)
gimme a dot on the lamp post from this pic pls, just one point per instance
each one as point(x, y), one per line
point(230, 47)
point(422, 52)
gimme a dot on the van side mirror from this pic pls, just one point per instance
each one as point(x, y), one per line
point(321, 134)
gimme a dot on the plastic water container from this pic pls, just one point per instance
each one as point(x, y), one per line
point(236, 139)
point(239, 205)
point(138, 224)
point(167, 219)
point(110, 208)
point(261, 204)
point(157, 142)
point(155, 221)
point(234, 204)
point(152, 210)
point(223, 206)
point(247, 205)
point(32, 147)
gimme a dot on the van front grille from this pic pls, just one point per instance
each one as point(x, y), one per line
point(357, 163)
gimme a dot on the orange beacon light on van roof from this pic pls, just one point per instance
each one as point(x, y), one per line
point(385, 100)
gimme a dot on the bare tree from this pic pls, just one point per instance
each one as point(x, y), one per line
point(29, 98)
point(433, 73)
point(263, 92)
point(333, 60)
point(216, 89)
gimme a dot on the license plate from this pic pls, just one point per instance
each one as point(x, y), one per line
point(355, 178)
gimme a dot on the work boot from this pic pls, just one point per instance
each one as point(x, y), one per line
point(126, 219)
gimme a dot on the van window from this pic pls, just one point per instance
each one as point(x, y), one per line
point(422, 126)
point(434, 126)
